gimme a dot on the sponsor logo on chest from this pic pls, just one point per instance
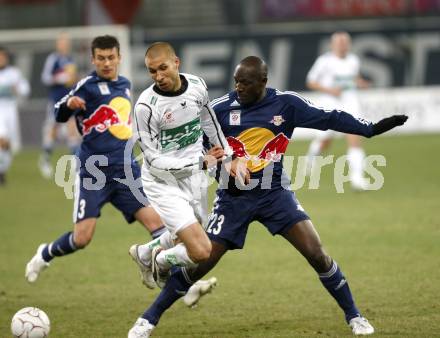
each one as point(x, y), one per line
point(181, 136)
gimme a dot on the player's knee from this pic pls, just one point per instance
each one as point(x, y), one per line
point(320, 261)
point(201, 253)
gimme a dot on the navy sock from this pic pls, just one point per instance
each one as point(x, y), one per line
point(62, 246)
point(156, 233)
point(336, 284)
point(176, 286)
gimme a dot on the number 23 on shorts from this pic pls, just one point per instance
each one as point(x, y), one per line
point(215, 224)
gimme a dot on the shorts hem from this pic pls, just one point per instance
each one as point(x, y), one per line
point(292, 224)
point(229, 245)
point(178, 228)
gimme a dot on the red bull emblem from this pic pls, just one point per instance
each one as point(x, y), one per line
point(102, 118)
point(275, 148)
point(271, 151)
point(278, 120)
point(238, 147)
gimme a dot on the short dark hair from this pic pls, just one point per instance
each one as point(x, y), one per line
point(4, 50)
point(105, 42)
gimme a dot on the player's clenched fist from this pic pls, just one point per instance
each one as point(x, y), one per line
point(75, 102)
point(213, 156)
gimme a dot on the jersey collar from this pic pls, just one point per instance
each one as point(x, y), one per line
point(181, 90)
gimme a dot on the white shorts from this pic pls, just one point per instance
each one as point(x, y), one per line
point(9, 125)
point(180, 204)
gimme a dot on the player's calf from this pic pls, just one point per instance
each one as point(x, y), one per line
point(200, 252)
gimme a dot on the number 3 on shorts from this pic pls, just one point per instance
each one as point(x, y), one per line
point(82, 205)
point(215, 224)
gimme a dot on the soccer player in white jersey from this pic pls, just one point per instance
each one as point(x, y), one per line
point(336, 76)
point(12, 86)
point(169, 120)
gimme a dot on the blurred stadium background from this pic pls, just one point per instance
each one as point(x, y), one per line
point(398, 42)
point(386, 240)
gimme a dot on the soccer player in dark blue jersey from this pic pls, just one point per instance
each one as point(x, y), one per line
point(258, 123)
point(101, 106)
point(59, 75)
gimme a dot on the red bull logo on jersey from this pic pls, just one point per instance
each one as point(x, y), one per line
point(277, 120)
point(114, 117)
point(259, 146)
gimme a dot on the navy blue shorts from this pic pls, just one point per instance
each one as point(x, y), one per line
point(93, 191)
point(277, 209)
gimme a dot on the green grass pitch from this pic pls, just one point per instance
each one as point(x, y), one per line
point(387, 243)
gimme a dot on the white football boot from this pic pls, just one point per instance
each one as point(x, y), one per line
point(141, 329)
point(198, 290)
point(45, 167)
point(36, 265)
point(160, 275)
point(360, 326)
point(144, 268)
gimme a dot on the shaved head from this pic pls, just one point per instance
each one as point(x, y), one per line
point(255, 65)
point(160, 48)
point(163, 66)
point(250, 80)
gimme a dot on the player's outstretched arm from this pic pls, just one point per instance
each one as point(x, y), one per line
point(307, 115)
point(388, 123)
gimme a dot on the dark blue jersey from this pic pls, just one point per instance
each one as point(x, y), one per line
point(261, 132)
point(57, 72)
point(106, 123)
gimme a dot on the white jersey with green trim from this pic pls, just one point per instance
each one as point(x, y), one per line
point(169, 127)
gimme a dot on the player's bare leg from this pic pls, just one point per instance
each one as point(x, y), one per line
point(64, 245)
point(202, 287)
point(151, 220)
point(196, 241)
point(305, 239)
point(194, 248)
point(180, 283)
point(217, 252)
point(83, 232)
